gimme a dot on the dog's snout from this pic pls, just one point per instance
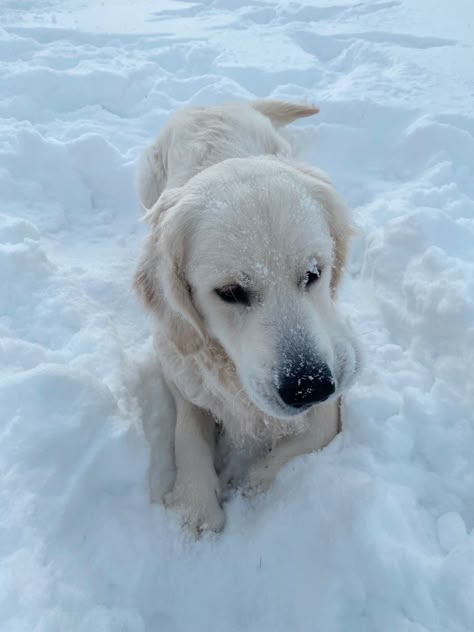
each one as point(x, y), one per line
point(310, 383)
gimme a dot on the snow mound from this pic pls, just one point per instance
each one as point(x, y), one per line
point(374, 533)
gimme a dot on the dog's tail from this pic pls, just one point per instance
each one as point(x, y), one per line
point(281, 113)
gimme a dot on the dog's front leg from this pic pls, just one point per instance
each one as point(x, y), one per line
point(196, 488)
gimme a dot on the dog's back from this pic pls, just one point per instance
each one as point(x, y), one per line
point(199, 137)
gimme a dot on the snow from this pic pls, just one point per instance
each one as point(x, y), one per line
point(377, 531)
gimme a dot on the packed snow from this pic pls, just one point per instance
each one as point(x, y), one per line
point(376, 532)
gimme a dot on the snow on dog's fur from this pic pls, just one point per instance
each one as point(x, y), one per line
point(241, 271)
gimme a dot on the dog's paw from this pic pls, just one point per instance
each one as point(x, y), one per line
point(201, 511)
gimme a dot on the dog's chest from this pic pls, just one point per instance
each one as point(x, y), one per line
point(232, 460)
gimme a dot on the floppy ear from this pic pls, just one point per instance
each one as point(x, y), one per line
point(160, 278)
point(338, 215)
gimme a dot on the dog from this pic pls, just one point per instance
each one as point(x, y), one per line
point(240, 271)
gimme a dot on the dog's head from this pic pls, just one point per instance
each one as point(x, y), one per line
point(249, 254)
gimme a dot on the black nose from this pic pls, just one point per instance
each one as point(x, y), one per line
point(308, 384)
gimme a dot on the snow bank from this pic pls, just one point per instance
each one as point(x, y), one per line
point(374, 533)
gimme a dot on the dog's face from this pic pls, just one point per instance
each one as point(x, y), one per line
point(262, 247)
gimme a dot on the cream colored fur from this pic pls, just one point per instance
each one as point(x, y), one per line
point(224, 198)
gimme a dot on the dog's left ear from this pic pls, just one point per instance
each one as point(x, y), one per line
point(338, 216)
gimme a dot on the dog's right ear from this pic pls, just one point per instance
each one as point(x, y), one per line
point(144, 281)
point(160, 276)
point(167, 200)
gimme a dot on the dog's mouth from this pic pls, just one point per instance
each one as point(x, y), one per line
point(289, 412)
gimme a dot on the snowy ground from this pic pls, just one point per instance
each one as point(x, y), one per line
point(374, 534)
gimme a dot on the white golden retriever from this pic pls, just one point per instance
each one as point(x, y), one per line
point(240, 272)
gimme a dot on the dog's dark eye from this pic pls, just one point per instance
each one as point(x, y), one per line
point(233, 294)
point(311, 277)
